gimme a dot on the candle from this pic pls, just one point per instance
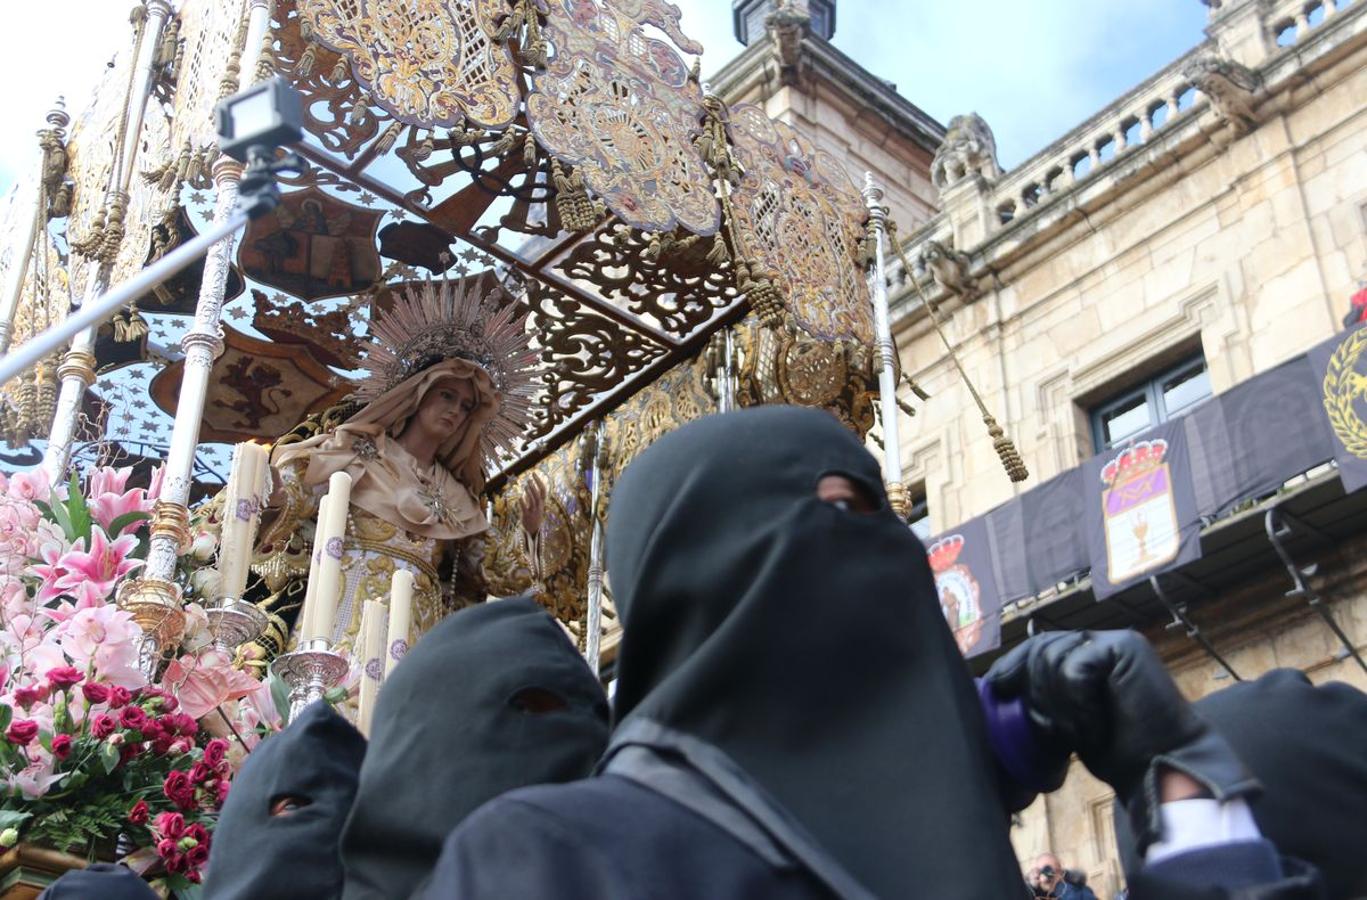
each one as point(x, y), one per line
point(241, 516)
point(328, 546)
point(371, 656)
point(310, 610)
point(400, 614)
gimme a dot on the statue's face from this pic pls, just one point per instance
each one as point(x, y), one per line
point(446, 406)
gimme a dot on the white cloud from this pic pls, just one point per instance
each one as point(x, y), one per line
point(55, 47)
point(1033, 70)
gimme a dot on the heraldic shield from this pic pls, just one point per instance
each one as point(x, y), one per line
point(962, 565)
point(1139, 511)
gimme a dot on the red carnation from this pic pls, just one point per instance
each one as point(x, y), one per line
point(198, 832)
point(102, 726)
point(161, 744)
point(215, 753)
point(179, 790)
point(133, 717)
point(185, 725)
point(197, 856)
point(95, 692)
point(177, 864)
point(119, 696)
point(222, 791)
point(166, 848)
point(139, 813)
point(27, 696)
point(130, 750)
point(169, 704)
point(63, 677)
point(193, 876)
point(169, 825)
point(61, 746)
point(200, 773)
point(22, 732)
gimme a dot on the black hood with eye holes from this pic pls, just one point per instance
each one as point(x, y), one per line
point(446, 737)
point(257, 856)
point(806, 644)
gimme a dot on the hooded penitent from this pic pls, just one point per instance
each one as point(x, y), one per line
point(494, 698)
point(1308, 746)
point(311, 766)
point(803, 646)
point(104, 880)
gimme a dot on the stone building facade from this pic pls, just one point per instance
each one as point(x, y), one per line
point(1206, 226)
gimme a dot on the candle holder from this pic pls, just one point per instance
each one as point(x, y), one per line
point(156, 608)
point(234, 622)
point(310, 672)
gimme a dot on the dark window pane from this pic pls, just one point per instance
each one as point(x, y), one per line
point(1125, 419)
point(1185, 388)
point(919, 519)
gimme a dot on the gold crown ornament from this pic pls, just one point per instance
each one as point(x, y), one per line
point(457, 320)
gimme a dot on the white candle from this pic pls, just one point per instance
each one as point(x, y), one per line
point(371, 654)
point(310, 610)
point(328, 545)
point(241, 516)
point(400, 614)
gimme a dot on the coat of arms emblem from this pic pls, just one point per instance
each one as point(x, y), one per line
point(960, 594)
point(1345, 387)
point(1139, 512)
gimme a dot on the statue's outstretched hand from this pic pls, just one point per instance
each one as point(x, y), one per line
point(533, 505)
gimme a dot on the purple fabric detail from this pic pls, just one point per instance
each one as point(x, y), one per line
point(1013, 739)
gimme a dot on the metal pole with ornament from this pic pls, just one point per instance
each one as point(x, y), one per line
point(77, 371)
point(202, 344)
point(887, 354)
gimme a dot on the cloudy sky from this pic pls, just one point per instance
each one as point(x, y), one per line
point(1032, 69)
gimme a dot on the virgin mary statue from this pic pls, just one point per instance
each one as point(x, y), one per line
point(450, 380)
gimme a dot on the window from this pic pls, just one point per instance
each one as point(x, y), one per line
point(919, 517)
point(1164, 397)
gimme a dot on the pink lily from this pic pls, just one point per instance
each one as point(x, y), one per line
point(91, 576)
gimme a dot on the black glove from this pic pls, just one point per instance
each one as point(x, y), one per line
point(1106, 696)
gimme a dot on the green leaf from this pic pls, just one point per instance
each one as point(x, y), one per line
point(190, 892)
point(6, 715)
point(125, 520)
point(63, 519)
point(280, 694)
point(109, 757)
point(80, 512)
point(13, 818)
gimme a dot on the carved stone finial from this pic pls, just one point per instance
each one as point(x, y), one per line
point(1231, 87)
point(969, 150)
point(58, 117)
point(949, 268)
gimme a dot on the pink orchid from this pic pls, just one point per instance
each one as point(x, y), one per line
point(90, 576)
point(14, 598)
point(109, 638)
point(154, 487)
point(29, 486)
point(202, 684)
point(37, 778)
point(109, 480)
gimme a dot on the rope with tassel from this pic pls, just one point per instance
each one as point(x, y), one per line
point(1006, 450)
point(759, 287)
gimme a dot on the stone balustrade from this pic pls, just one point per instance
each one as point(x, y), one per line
point(1127, 123)
point(1289, 21)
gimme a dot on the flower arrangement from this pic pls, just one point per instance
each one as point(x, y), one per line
point(94, 749)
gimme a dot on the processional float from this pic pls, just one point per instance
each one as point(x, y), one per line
point(673, 256)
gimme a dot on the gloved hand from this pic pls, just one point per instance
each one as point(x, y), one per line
point(1106, 696)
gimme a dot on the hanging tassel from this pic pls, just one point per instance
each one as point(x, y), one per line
point(765, 299)
point(361, 109)
point(389, 138)
point(113, 228)
point(529, 150)
point(1006, 450)
point(572, 200)
point(307, 60)
point(340, 72)
point(718, 255)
